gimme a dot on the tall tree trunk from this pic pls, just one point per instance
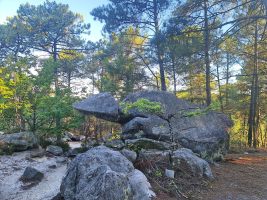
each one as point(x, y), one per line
point(159, 50)
point(227, 79)
point(253, 96)
point(207, 60)
point(56, 90)
point(244, 125)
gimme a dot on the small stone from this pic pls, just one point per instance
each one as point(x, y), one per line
point(31, 175)
point(39, 153)
point(169, 173)
point(130, 155)
point(52, 166)
point(61, 160)
point(55, 150)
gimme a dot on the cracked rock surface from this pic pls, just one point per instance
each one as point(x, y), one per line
point(102, 173)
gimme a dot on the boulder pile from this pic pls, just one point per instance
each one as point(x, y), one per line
point(177, 124)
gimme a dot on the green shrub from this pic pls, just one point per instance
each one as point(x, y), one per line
point(143, 105)
point(44, 143)
point(6, 149)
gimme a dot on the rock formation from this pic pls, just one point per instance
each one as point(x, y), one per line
point(102, 173)
point(179, 124)
point(19, 141)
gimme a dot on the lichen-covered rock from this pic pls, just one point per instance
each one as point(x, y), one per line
point(19, 141)
point(186, 161)
point(104, 174)
point(102, 105)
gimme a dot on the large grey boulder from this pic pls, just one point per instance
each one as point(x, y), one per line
point(19, 141)
point(205, 133)
point(186, 161)
point(101, 105)
point(104, 174)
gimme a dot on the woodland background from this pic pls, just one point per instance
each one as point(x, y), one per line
point(209, 52)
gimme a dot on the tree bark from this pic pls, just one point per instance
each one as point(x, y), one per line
point(174, 75)
point(219, 87)
point(207, 60)
point(159, 50)
point(227, 79)
point(253, 96)
point(58, 124)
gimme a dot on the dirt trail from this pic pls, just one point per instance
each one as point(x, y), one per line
point(240, 177)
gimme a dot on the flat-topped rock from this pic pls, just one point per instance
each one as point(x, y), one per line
point(101, 105)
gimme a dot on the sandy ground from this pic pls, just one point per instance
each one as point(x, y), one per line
point(240, 177)
point(12, 167)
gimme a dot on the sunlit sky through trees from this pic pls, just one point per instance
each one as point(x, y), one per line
point(8, 8)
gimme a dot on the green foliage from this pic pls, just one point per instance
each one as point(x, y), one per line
point(143, 105)
point(121, 69)
point(44, 143)
point(6, 149)
point(158, 173)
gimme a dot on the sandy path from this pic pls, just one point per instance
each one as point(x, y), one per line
point(12, 167)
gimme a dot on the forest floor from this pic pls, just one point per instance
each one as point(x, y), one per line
point(239, 177)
